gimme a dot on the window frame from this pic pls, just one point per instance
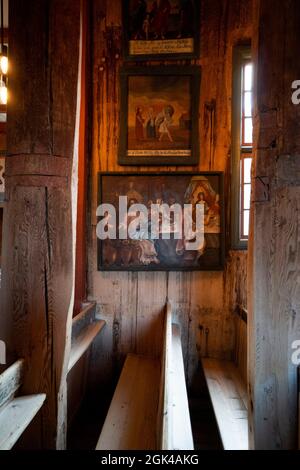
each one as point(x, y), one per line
point(3, 127)
point(241, 55)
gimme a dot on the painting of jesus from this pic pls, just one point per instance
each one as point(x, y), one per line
point(159, 119)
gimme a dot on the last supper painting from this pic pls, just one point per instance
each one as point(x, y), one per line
point(159, 222)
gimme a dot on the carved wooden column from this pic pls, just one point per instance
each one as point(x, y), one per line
point(38, 273)
point(274, 248)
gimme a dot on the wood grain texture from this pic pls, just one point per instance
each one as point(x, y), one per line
point(151, 395)
point(42, 119)
point(10, 381)
point(182, 436)
point(131, 420)
point(16, 416)
point(174, 430)
point(273, 303)
point(165, 412)
point(38, 268)
point(131, 303)
point(84, 341)
point(241, 350)
point(228, 395)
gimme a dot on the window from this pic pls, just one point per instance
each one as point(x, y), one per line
point(3, 115)
point(3, 119)
point(242, 142)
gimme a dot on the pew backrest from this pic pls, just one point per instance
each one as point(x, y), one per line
point(16, 412)
point(10, 381)
point(174, 424)
point(164, 416)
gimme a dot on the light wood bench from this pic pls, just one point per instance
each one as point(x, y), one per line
point(174, 424)
point(298, 379)
point(228, 395)
point(85, 328)
point(181, 427)
point(149, 409)
point(131, 420)
point(16, 413)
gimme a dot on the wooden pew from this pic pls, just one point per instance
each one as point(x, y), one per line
point(85, 328)
point(16, 413)
point(174, 424)
point(182, 436)
point(298, 381)
point(149, 409)
point(228, 395)
point(131, 419)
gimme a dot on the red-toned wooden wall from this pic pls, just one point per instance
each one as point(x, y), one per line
point(81, 233)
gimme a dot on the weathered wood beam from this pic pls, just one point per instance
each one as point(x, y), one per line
point(274, 247)
point(38, 264)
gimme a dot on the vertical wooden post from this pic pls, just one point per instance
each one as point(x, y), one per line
point(81, 230)
point(274, 247)
point(38, 267)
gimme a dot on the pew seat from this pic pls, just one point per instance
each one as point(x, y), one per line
point(228, 395)
point(149, 409)
point(16, 412)
point(131, 420)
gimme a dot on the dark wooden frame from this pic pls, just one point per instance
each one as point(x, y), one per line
point(220, 174)
point(194, 72)
point(175, 56)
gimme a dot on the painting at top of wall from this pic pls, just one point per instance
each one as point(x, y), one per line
point(156, 29)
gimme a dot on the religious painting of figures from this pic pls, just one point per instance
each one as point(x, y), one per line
point(159, 116)
point(156, 29)
point(160, 221)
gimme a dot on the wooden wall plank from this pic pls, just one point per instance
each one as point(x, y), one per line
point(274, 320)
point(38, 244)
point(149, 315)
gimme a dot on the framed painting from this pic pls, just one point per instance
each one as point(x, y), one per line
point(159, 116)
point(160, 221)
point(158, 29)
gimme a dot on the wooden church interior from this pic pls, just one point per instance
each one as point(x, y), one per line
point(152, 360)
